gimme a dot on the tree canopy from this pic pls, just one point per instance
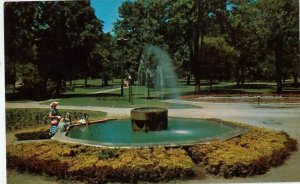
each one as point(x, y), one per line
point(57, 41)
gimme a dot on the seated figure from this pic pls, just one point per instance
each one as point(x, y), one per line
point(84, 118)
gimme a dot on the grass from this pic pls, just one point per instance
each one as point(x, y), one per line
point(118, 101)
point(109, 96)
point(82, 96)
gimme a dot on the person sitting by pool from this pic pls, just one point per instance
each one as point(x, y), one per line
point(54, 117)
point(64, 123)
point(84, 118)
point(68, 119)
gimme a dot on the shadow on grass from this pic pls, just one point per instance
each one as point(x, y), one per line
point(246, 86)
point(90, 86)
point(217, 92)
point(28, 96)
point(99, 95)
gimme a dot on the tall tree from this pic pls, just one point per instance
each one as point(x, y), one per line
point(281, 31)
point(219, 57)
point(18, 29)
point(57, 37)
point(142, 22)
point(242, 26)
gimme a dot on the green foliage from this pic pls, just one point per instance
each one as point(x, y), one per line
point(63, 40)
point(106, 154)
point(255, 152)
point(35, 134)
point(47, 38)
point(252, 153)
point(83, 162)
point(218, 56)
point(280, 31)
point(24, 118)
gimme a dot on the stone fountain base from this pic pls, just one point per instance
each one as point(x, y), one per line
point(149, 119)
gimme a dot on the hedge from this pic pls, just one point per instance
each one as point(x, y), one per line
point(254, 152)
point(23, 118)
point(89, 163)
point(34, 134)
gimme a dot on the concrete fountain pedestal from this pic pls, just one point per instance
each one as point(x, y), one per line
point(149, 119)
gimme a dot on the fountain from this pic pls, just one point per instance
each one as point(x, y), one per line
point(149, 119)
point(155, 72)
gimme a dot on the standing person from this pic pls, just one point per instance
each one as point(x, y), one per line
point(54, 117)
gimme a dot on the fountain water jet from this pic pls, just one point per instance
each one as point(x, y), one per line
point(155, 71)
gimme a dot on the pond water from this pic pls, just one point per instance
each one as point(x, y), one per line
point(181, 131)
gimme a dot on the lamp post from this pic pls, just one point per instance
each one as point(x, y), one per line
point(122, 42)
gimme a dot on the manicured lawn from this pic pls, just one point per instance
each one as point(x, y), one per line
point(109, 96)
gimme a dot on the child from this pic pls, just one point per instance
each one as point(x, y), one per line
point(84, 118)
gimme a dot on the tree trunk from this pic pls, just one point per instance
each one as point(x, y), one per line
point(85, 75)
point(238, 81)
point(64, 83)
point(85, 80)
point(188, 79)
point(15, 75)
point(58, 86)
point(86, 72)
point(210, 83)
point(197, 85)
point(105, 83)
point(242, 67)
point(295, 76)
point(196, 63)
point(279, 61)
point(102, 78)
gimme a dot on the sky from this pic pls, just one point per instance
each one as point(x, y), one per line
point(107, 11)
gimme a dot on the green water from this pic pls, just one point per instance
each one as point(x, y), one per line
point(180, 131)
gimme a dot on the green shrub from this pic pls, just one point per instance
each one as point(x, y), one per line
point(89, 163)
point(33, 135)
point(24, 118)
point(254, 152)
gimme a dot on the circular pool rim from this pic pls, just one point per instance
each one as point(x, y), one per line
point(236, 131)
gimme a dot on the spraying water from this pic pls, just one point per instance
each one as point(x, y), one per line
point(156, 72)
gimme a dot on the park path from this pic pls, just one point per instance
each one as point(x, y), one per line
point(105, 91)
point(279, 117)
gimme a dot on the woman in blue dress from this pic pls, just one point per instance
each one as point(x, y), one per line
point(54, 117)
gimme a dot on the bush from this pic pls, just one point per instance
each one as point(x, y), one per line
point(88, 163)
point(254, 152)
point(34, 134)
point(23, 118)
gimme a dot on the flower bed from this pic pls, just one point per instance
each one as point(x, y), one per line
point(250, 154)
point(99, 164)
